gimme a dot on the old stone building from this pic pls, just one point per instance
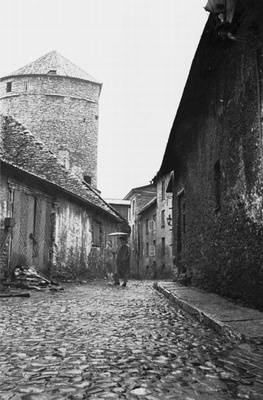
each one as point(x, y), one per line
point(51, 214)
point(58, 102)
point(148, 268)
point(49, 217)
point(153, 223)
point(164, 228)
point(138, 198)
point(215, 150)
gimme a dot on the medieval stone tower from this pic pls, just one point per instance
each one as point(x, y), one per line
point(58, 102)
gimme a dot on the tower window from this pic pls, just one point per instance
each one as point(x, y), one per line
point(9, 86)
point(87, 179)
point(52, 72)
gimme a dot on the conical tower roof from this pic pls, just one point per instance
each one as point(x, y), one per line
point(55, 64)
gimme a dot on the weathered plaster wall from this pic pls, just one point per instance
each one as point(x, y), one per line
point(62, 112)
point(224, 247)
point(73, 238)
point(164, 259)
point(76, 253)
point(148, 266)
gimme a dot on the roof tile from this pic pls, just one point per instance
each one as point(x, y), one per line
point(54, 61)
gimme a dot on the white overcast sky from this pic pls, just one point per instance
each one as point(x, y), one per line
point(141, 50)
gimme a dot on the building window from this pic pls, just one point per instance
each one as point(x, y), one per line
point(52, 72)
point(133, 207)
point(163, 190)
point(9, 86)
point(25, 86)
point(151, 251)
point(163, 247)
point(217, 184)
point(163, 219)
point(147, 249)
point(147, 227)
point(151, 225)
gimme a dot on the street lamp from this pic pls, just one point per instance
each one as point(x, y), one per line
point(169, 220)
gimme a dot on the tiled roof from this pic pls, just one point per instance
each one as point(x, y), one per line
point(148, 205)
point(146, 189)
point(21, 149)
point(53, 61)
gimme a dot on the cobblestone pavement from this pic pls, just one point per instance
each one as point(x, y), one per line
point(95, 341)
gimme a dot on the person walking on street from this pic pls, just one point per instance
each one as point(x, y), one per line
point(123, 262)
point(109, 262)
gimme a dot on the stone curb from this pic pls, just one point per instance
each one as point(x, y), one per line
point(204, 318)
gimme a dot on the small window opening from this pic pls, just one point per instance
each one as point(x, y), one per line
point(25, 85)
point(52, 72)
point(9, 86)
point(87, 179)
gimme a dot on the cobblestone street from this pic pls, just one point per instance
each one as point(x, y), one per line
point(95, 341)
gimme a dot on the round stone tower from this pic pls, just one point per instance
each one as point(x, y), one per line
point(58, 102)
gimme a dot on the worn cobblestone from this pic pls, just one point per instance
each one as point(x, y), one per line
point(95, 341)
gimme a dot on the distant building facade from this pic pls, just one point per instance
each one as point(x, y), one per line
point(122, 206)
point(138, 198)
point(164, 226)
point(148, 268)
point(59, 103)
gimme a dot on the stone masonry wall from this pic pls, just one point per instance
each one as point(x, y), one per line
point(223, 249)
point(62, 112)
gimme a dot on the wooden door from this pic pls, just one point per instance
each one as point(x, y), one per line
point(32, 231)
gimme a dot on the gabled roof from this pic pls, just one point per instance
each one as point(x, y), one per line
point(147, 189)
point(20, 149)
point(120, 202)
point(148, 205)
point(53, 61)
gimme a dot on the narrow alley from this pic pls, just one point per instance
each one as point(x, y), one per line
point(94, 341)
